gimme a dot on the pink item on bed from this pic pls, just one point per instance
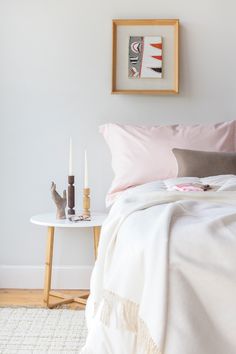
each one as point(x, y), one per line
point(188, 187)
point(142, 154)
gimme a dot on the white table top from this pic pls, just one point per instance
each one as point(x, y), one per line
point(97, 219)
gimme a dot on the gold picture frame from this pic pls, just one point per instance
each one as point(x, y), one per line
point(121, 31)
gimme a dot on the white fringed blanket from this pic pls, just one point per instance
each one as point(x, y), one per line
point(165, 277)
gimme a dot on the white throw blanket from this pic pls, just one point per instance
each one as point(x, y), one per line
point(165, 277)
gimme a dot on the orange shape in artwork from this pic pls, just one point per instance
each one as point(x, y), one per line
point(156, 45)
point(158, 57)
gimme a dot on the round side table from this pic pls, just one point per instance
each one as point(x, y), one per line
point(50, 221)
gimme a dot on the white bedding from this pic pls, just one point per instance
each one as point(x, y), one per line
point(165, 277)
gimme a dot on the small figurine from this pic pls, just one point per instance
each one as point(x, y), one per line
point(59, 201)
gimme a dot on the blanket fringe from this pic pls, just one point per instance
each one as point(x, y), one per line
point(128, 320)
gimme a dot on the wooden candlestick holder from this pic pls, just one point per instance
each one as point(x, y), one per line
point(86, 202)
point(71, 195)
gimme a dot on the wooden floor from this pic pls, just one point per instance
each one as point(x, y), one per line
point(31, 298)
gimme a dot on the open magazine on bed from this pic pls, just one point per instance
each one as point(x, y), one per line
point(165, 277)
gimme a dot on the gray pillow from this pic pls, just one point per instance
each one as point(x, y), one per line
point(193, 163)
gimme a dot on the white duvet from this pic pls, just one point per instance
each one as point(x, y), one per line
point(165, 277)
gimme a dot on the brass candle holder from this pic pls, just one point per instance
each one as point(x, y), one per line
point(71, 195)
point(86, 202)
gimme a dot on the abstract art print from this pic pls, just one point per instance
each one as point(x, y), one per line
point(145, 57)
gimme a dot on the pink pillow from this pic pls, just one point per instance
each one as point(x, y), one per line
point(142, 154)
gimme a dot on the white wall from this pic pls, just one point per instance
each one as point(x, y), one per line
point(55, 74)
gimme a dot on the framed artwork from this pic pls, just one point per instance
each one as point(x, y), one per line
point(145, 57)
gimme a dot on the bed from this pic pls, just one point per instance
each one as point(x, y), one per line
point(165, 278)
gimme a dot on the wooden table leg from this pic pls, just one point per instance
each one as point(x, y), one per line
point(48, 265)
point(96, 237)
point(48, 271)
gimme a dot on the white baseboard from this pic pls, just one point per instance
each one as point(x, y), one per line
point(32, 277)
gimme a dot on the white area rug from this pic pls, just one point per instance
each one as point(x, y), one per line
point(40, 331)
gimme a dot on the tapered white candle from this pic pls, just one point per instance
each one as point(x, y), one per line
point(85, 170)
point(70, 159)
